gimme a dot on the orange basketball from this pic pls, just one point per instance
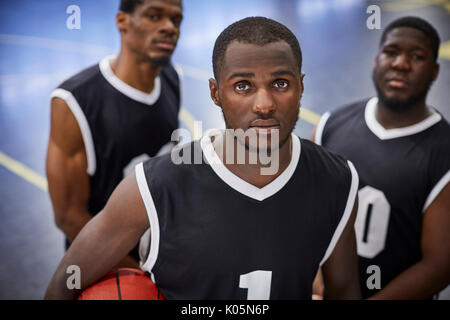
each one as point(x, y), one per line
point(123, 284)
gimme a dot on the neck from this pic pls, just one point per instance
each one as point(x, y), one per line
point(134, 70)
point(390, 119)
point(252, 172)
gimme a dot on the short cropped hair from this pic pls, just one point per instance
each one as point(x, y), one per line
point(419, 24)
point(254, 30)
point(128, 6)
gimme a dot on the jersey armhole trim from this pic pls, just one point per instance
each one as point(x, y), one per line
point(347, 213)
point(68, 97)
point(180, 82)
point(436, 190)
point(152, 218)
point(320, 127)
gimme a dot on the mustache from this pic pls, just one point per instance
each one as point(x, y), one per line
point(167, 39)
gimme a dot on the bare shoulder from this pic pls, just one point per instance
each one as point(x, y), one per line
point(126, 204)
point(64, 130)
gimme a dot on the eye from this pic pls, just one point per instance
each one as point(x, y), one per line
point(242, 86)
point(389, 52)
point(153, 17)
point(176, 21)
point(281, 84)
point(418, 57)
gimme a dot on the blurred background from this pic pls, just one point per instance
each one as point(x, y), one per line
point(38, 51)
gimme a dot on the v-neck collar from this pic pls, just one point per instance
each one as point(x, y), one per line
point(241, 185)
point(126, 89)
point(385, 134)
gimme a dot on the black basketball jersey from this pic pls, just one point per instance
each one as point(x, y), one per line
point(215, 236)
point(121, 126)
point(401, 172)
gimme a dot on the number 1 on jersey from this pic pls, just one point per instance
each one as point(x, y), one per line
point(258, 284)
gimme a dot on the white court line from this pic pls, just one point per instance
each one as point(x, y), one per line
point(54, 44)
point(73, 46)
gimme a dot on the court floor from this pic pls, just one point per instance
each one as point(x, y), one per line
point(38, 51)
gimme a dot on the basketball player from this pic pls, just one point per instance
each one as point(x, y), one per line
point(401, 148)
point(111, 114)
point(221, 230)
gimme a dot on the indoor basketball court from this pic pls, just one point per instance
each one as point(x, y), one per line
point(38, 51)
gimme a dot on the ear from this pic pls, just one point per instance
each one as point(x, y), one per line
point(435, 71)
point(302, 88)
point(122, 21)
point(214, 90)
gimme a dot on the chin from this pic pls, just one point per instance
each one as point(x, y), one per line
point(398, 103)
point(161, 61)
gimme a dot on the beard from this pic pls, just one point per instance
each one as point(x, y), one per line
point(400, 105)
point(160, 61)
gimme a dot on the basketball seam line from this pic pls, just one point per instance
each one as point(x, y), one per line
point(118, 285)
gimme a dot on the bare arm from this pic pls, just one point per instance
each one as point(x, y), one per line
point(109, 236)
point(340, 271)
point(66, 166)
point(432, 273)
point(68, 180)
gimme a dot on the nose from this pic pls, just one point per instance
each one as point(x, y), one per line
point(264, 103)
point(401, 62)
point(168, 27)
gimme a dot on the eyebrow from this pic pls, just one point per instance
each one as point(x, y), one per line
point(252, 75)
point(155, 7)
point(241, 75)
point(395, 46)
point(283, 73)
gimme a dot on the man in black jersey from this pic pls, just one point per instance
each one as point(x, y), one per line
point(401, 149)
point(110, 115)
point(223, 229)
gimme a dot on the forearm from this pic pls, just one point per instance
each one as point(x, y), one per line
point(349, 291)
point(420, 281)
point(127, 262)
point(58, 288)
point(72, 221)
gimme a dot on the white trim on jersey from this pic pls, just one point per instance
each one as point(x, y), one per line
point(436, 190)
point(126, 89)
point(320, 127)
point(241, 185)
point(152, 218)
point(180, 81)
point(68, 97)
point(347, 213)
point(385, 134)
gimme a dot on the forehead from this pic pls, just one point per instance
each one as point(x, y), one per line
point(408, 37)
point(240, 57)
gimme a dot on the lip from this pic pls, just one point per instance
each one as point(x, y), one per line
point(397, 83)
point(265, 124)
point(165, 45)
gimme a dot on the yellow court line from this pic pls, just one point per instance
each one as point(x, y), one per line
point(41, 182)
point(185, 116)
point(73, 46)
point(23, 171)
point(188, 119)
point(403, 5)
point(444, 50)
point(309, 116)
